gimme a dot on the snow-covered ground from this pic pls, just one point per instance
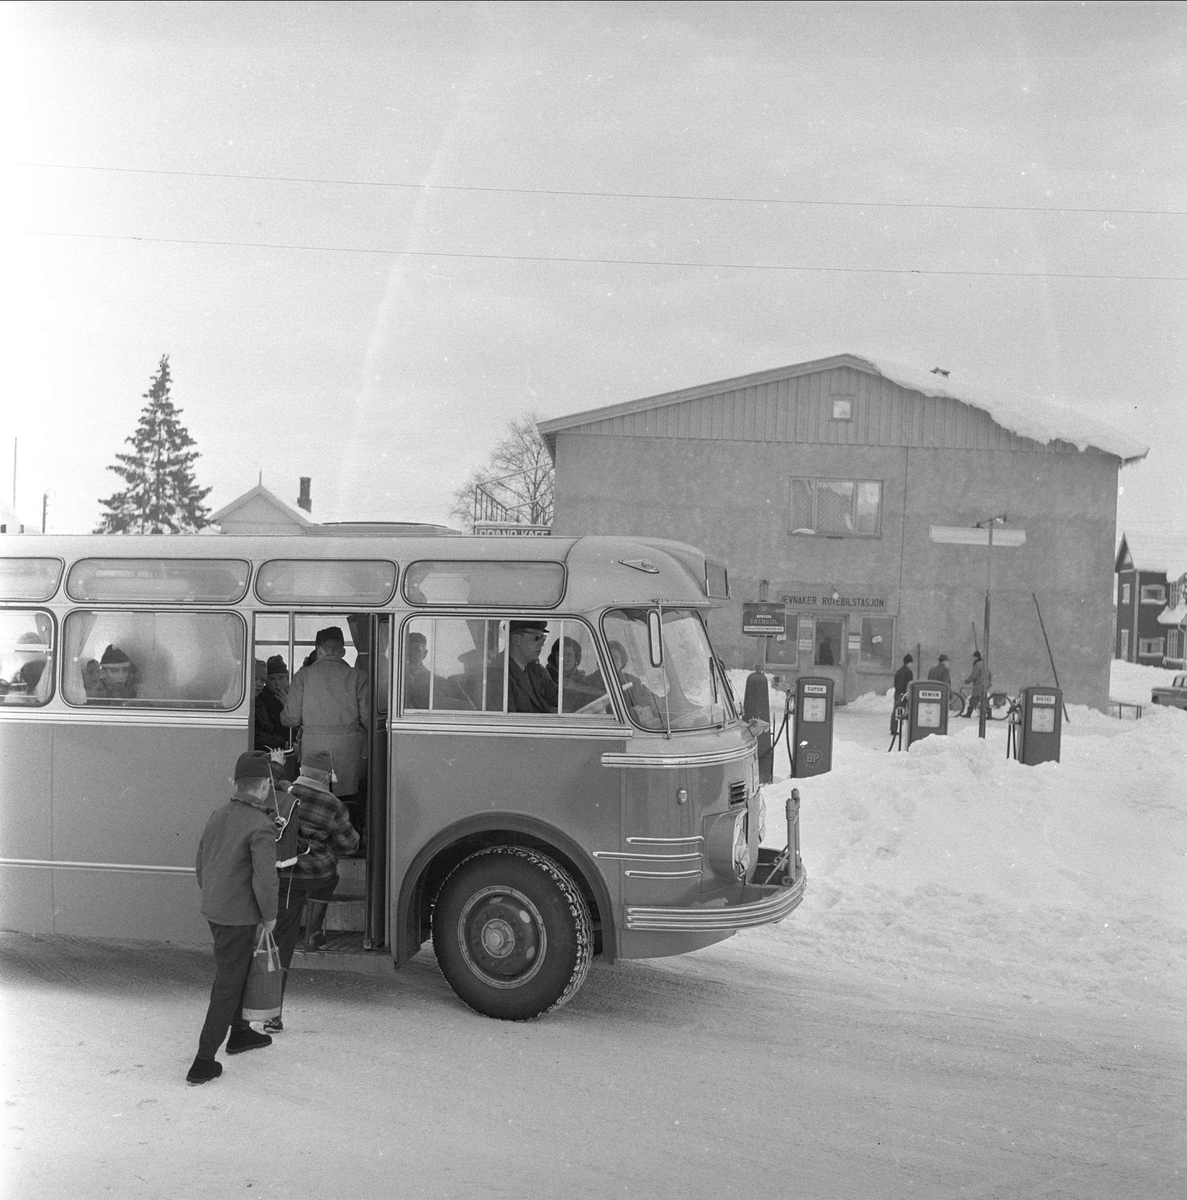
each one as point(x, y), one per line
point(950, 864)
point(982, 995)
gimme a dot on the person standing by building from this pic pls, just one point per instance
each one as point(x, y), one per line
point(236, 870)
point(330, 701)
point(940, 671)
point(324, 835)
point(980, 685)
point(902, 679)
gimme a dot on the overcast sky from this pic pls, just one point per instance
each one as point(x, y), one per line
point(370, 235)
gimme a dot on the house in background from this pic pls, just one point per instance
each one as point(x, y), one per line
point(849, 489)
point(1151, 606)
point(263, 512)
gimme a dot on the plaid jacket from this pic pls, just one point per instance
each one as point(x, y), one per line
point(324, 833)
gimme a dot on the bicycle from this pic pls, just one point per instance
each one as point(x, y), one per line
point(999, 708)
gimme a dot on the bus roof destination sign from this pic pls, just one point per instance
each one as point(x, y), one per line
point(509, 529)
point(764, 620)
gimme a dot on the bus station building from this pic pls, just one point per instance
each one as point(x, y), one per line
point(856, 494)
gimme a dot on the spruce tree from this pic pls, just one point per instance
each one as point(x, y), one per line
point(161, 496)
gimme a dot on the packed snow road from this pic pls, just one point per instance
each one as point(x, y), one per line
point(732, 1071)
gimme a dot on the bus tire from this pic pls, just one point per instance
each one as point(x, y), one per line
point(512, 933)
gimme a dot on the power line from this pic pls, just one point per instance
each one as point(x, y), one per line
point(574, 192)
point(618, 262)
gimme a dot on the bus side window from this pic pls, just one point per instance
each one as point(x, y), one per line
point(571, 658)
point(135, 659)
point(438, 668)
point(26, 657)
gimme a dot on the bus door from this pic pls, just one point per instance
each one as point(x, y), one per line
point(286, 642)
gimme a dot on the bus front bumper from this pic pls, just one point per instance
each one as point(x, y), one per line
point(756, 904)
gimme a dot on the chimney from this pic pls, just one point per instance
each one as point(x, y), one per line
point(303, 500)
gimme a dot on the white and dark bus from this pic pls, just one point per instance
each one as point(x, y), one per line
point(627, 823)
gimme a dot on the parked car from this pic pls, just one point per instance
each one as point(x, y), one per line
point(1176, 694)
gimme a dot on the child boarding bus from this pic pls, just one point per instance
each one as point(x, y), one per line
point(625, 821)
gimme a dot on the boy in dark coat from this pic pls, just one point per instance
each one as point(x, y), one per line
point(902, 677)
point(236, 870)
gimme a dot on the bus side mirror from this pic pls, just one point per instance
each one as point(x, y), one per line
point(655, 638)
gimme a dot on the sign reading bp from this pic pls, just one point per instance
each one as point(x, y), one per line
point(764, 620)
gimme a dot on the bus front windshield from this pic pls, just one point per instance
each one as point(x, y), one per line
point(688, 691)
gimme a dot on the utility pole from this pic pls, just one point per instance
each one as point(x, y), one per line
point(989, 523)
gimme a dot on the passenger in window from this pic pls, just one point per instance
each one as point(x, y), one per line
point(529, 688)
point(113, 677)
point(330, 701)
point(564, 662)
point(638, 695)
point(424, 690)
point(28, 674)
point(270, 733)
point(277, 689)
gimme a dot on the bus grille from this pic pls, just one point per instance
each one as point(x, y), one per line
point(738, 792)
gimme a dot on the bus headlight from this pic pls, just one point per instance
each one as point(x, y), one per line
point(741, 847)
point(727, 845)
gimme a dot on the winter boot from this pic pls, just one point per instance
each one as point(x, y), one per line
point(204, 1070)
point(242, 1040)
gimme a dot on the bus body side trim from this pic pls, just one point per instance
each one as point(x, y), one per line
point(56, 865)
point(675, 761)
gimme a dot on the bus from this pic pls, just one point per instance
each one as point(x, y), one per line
point(626, 823)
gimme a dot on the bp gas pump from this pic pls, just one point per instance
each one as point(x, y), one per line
point(1042, 724)
point(813, 730)
point(927, 708)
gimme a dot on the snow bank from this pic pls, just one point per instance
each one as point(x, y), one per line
point(951, 864)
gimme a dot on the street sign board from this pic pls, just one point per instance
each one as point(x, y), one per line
point(764, 620)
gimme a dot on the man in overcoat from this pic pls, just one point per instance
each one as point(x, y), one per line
point(330, 701)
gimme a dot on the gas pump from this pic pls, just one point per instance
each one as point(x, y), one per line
point(1041, 730)
point(813, 731)
point(927, 708)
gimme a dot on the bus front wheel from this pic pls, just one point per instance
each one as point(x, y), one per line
point(512, 933)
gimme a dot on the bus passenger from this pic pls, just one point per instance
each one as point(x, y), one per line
point(270, 734)
point(236, 870)
point(580, 688)
point(330, 702)
point(529, 689)
point(325, 835)
point(113, 677)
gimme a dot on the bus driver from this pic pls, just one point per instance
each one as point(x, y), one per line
point(529, 688)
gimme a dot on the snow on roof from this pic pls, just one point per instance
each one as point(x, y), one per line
point(1040, 420)
point(1147, 555)
point(299, 516)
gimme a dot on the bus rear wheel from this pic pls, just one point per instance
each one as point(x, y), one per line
point(512, 933)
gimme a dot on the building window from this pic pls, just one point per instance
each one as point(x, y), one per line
point(877, 641)
point(836, 507)
point(1125, 645)
point(1125, 593)
point(1153, 593)
point(842, 408)
point(1150, 647)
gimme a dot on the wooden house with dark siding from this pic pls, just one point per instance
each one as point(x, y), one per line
point(1150, 606)
point(849, 489)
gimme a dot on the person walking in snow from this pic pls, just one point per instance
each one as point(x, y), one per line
point(980, 685)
